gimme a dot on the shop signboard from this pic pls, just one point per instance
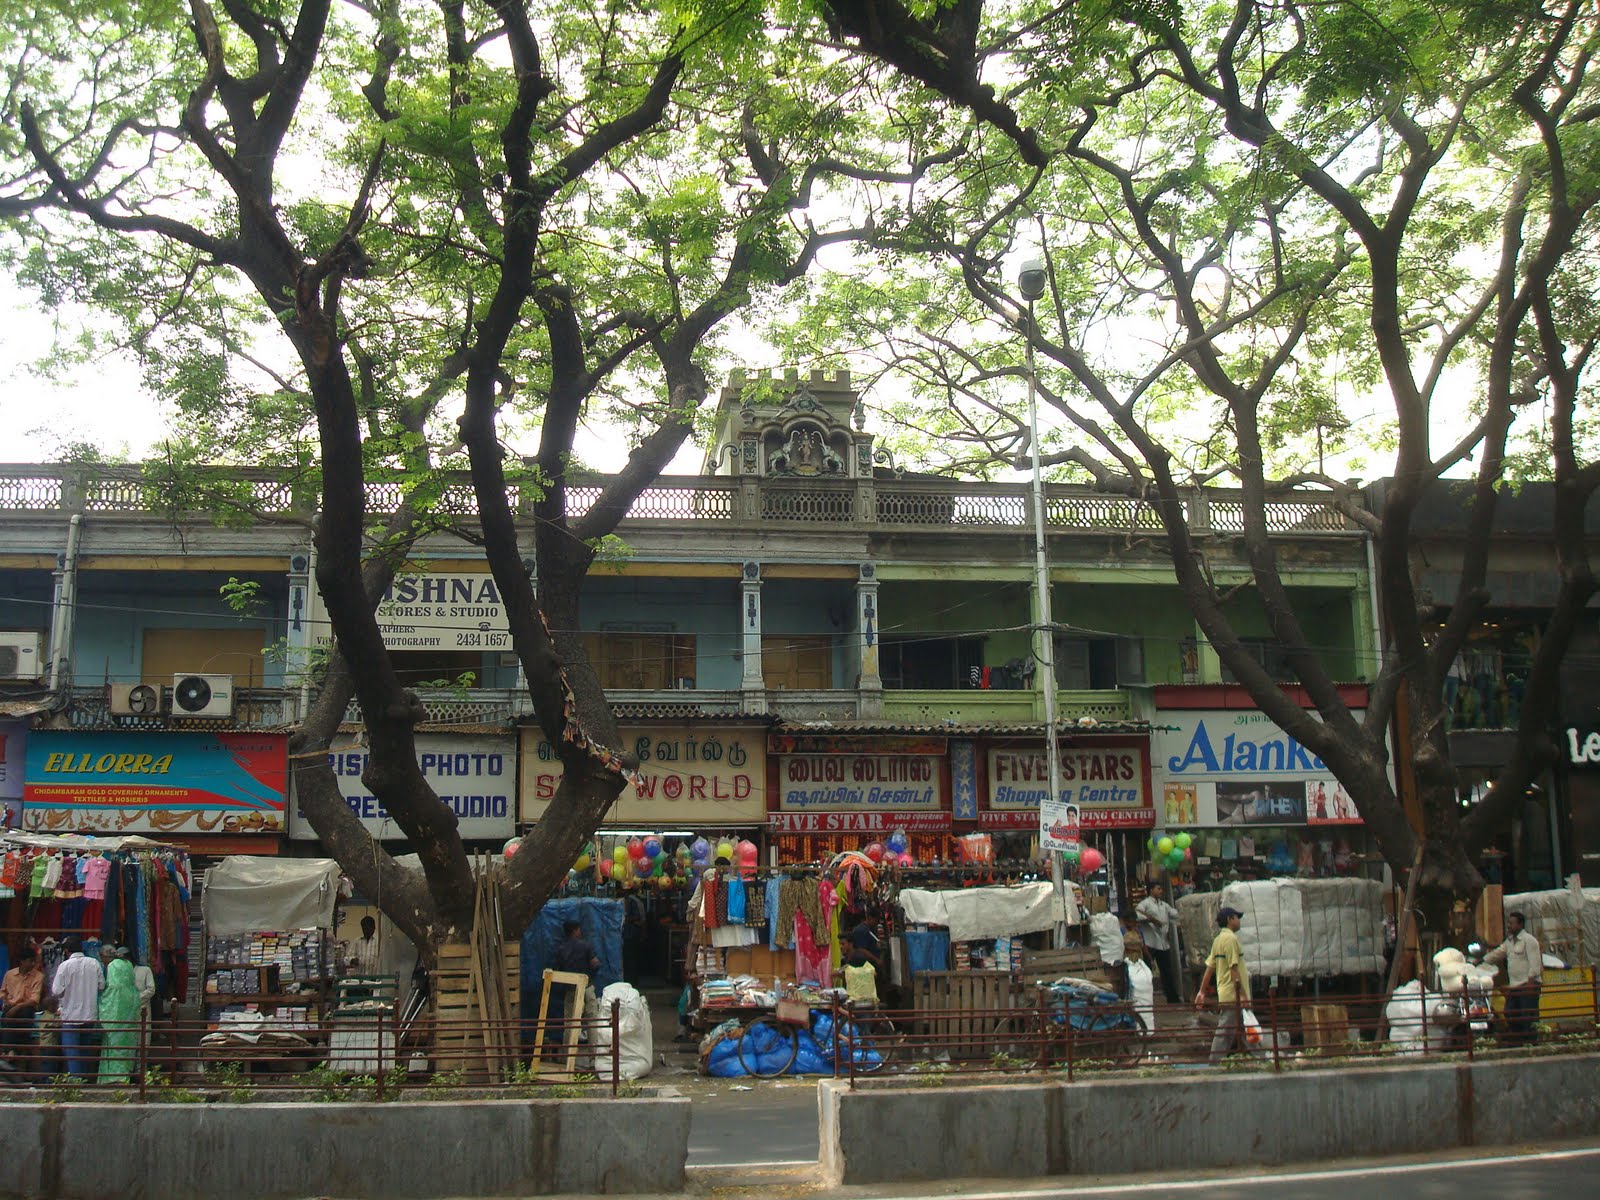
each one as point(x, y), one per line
point(1583, 748)
point(434, 611)
point(155, 782)
point(874, 821)
point(476, 775)
point(891, 788)
point(689, 777)
point(13, 748)
point(1235, 767)
point(1107, 780)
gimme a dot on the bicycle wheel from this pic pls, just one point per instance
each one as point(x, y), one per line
point(767, 1047)
point(871, 1041)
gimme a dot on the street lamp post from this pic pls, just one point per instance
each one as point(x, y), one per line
point(1031, 281)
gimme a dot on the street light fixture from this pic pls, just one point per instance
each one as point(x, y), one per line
point(1032, 280)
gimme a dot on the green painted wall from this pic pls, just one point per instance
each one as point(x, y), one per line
point(1328, 616)
point(991, 610)
point(1156, 614)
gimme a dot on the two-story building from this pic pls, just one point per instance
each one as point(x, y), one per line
point(806, 648)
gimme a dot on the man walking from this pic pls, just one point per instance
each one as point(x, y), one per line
point(77, 986)
point(1156, 917)
point(1225, 964)
point(1524, 960)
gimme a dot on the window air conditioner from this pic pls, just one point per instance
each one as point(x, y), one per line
point(21, 654)
point(135, 700)
point(202, 696)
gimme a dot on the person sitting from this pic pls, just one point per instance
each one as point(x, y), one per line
point(21, 997)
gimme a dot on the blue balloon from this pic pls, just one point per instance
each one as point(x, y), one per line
point(652, 847)
point(898, 842)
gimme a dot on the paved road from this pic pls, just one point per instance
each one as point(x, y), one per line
point(1526, 1174)
point(772, 1122)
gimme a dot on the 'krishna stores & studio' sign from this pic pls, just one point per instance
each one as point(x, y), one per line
point(457, 611)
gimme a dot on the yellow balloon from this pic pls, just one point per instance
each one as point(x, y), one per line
point(583, 862)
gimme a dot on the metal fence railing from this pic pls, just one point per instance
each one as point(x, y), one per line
point(1073, 1034)
point(1077, 1036)
point(370, 1057)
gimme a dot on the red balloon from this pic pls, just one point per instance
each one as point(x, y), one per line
point(1091, 860)
point(875, 851)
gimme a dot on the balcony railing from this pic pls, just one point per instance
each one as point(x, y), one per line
point(899, 504)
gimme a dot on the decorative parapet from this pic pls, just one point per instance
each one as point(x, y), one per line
point(926, 504)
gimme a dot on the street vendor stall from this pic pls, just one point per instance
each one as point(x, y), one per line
point(269, 955)
point(119, 891)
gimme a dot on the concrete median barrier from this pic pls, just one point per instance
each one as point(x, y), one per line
point(1216, 1119)
point(344, 1151)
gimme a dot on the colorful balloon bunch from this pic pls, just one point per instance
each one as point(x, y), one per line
point(1172, 850)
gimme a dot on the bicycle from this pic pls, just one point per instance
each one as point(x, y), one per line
point(769, 1045)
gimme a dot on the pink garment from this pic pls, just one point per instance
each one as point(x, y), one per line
point(827, 898)
point(94, 878)
point(811, 964)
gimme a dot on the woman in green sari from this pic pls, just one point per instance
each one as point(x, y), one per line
point(119, 1016)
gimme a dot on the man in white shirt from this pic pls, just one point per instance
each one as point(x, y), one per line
point(77, 987)
point(1524, 960)
point(1156, 916)
point(364, 950)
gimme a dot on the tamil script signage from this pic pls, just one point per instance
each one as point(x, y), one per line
point(1235, 767)
point(1107, 782)
point(155, 783)
point(885, 786)
point(459, 611)
point(476, 776)
point(688, 777)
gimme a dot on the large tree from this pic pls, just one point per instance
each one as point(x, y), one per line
point(359, 239)
point(1257, 215)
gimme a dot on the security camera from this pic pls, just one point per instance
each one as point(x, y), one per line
point(1032, 278)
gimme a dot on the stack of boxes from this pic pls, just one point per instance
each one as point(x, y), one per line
point(264, 965)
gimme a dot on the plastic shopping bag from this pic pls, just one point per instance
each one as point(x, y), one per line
point(1252, 1031)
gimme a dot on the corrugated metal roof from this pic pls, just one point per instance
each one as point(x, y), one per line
point(674, 712)
point(23, 708)
point(957, 728)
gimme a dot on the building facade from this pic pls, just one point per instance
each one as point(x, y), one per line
point(805, 647)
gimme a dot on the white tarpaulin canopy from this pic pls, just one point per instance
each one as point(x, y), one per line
point(243, 894)
point(975, 914)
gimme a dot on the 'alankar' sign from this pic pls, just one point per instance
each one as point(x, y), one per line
point(433, 612)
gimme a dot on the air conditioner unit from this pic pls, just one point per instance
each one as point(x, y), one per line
point(21, 655)
point(135, 700)
point(202, 696)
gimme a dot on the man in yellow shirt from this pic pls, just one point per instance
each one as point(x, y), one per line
point(1225, 964)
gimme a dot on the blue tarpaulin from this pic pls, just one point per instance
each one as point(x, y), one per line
point(927, 951)
point(602, 929)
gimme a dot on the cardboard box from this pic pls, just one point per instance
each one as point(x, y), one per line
point(1325, 1026)
point(761, 961)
